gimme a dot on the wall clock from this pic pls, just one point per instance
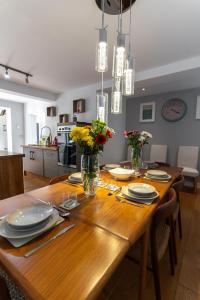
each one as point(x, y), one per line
point(174, 110)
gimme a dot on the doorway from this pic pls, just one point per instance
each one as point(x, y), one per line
point(5, 129)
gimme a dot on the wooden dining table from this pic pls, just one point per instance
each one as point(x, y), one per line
point(78, 264)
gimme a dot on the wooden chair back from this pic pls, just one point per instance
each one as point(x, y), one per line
point(165, 211)
point(58, 179)
point(179, 183)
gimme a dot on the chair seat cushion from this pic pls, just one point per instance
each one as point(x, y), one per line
point(13, 289)
point(190, 172)
point(163, 232)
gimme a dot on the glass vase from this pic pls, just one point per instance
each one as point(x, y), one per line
point(90, 173)
point(136, 158)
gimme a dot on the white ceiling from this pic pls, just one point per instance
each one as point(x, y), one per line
point(55, 40)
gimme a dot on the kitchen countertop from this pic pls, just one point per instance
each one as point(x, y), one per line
point(7, 154)
point(52, 148)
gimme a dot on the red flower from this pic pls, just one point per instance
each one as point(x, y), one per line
point(125, 133)
point(109, 133)
point(101, 139)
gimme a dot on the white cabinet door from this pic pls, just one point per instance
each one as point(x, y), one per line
point(50, 163)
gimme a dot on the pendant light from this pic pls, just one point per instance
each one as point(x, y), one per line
point(119, 53)
point(116, 98)
point(119, 57)
point(129, 71)
point(101, 64)
point(102, 104)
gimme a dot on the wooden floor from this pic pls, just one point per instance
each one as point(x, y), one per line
point(186, 282)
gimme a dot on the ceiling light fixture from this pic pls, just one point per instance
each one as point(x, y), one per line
point(7, 76)
point(119, 57)
point(26, 79)
point(102, 66)
point(102, 47)
point(123, 71)
point(129, 71)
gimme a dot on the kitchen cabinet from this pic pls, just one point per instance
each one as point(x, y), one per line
point(11, 174)
point(33, 161)
point(50, 163)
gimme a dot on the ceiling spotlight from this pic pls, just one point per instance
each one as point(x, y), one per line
point(143, 89)
point(26, 79)
point(6, 74)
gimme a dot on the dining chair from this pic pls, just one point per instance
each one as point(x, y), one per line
point(178, 186)
point(8, 289)
point(188, 160)
point(57, 179)
point(158, 153)
point(161, 238)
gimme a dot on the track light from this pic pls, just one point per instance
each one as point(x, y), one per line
point(26, 79)
point(6, 74)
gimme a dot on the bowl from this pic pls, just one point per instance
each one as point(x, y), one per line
point(121, 174)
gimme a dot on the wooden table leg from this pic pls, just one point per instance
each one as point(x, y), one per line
point(143, 263)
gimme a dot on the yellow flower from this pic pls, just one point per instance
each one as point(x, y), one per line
point(84, 133)
point(90, 142)
point(75, 133)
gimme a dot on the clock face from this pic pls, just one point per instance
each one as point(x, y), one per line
point(174, 110)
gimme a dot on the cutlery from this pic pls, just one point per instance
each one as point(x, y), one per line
point(114, 192)
point(122, 199)
point(41, 245)
point(73, 184)
point(64, 214)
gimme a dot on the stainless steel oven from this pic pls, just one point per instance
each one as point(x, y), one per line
point(66, 147)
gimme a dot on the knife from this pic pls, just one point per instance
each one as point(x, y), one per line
point(41, 245)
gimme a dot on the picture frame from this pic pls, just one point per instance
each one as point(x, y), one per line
point(198, 108)
point(147, 112)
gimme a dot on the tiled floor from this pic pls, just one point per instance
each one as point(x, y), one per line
point(186, 282)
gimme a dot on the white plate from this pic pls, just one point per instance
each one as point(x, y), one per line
point(29, 228)
point(141, 188)
point(160, 178)
point(10, 233)
point(112, 166)
point(129, 196)
point(121, 174)
point(29, 216)
point(157, 173)
point(76, 177)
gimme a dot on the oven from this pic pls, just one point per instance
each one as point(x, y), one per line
point(66, 147)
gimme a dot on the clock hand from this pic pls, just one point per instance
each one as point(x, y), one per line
point(177, 112)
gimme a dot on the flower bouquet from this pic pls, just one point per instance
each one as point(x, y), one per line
point(91, 141)
point(136, 140)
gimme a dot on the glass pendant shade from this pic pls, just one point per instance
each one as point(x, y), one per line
point(116, 99)
point(119, 56)
point(101, 64)
point(129, 78)
point(102, 107)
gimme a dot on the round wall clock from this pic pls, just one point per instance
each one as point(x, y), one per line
point(174, 110)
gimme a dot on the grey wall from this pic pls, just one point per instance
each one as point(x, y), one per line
point(183, 132)
point(17, 116)
point(114, 150)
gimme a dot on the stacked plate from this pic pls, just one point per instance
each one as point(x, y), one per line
point(108, 167)
point(28, 221)
point(158, 175)
point(140, 192)
point(150, 164)
point(75, 178)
